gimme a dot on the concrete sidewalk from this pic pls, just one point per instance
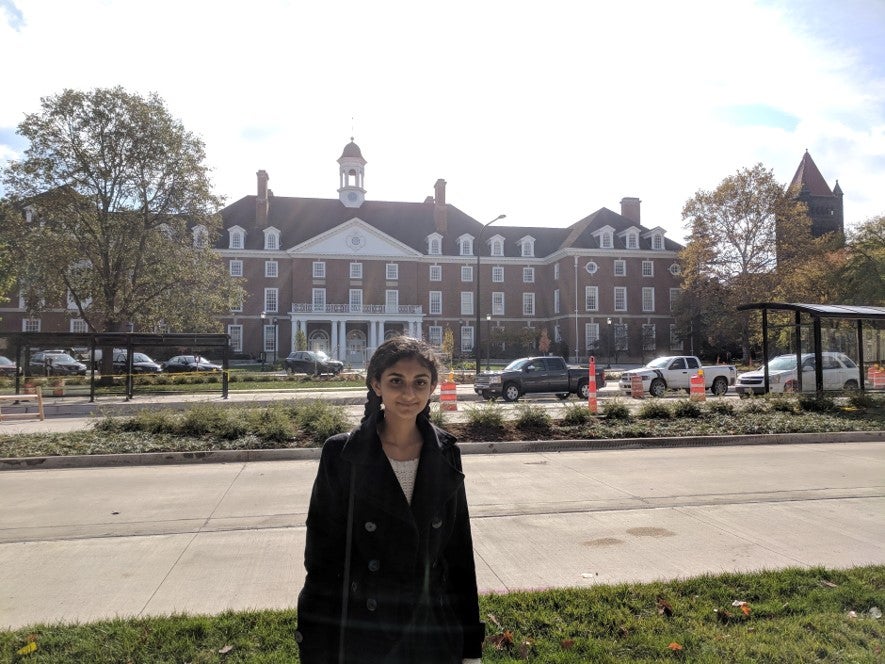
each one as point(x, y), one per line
point(85, 544)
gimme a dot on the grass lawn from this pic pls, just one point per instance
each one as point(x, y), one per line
point(788, 616)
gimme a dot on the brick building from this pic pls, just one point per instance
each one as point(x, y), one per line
point(348, 272)
point(824, 204)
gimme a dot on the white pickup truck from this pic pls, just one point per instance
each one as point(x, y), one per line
point(674, 372)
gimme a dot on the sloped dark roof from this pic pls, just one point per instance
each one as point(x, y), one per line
point(352, 150)
point(846, 311)
point(580, 234)
point(809, 178)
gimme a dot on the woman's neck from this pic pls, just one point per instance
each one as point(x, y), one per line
point(401, 441)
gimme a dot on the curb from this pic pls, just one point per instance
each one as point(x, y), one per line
point(507, 447)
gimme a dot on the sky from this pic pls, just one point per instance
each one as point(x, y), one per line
point(544, 112)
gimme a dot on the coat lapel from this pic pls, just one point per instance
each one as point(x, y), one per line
point(437, 478)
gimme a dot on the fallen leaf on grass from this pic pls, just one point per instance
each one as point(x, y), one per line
point(567, 644)
point(492, 617)
point(501, 641)
point(664, 608)
point(829, 584)
point(225, 650)
point(674, 646)
point(722, 615)
point(28, 649)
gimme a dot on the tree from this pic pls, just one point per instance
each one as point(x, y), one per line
point(7, 264)
point(117, 216)
point(736, 233)
point(863, 275)
point(300, 340)
point(544, 342)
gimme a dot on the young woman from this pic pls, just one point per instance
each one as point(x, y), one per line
point(389, 555)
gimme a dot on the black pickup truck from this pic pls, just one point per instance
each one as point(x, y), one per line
point(531, 375)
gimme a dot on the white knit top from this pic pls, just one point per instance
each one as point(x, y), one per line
point(405, 472)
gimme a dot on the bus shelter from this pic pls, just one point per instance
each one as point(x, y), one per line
point(816, 313)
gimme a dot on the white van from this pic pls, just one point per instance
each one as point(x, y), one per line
point(840, 373)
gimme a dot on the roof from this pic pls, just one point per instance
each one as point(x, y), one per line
point(809, 178)
point(822, 310)
point(351, 150)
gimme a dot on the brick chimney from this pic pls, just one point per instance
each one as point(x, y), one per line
point(630, 208)
point(261, 203)
point(440, 217)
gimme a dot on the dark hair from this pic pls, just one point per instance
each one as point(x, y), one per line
point(389, 353)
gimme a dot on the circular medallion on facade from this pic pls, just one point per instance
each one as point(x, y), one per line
point(591, 267)
point(356, 241)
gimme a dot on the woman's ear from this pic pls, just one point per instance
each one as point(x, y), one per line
point(376, 387)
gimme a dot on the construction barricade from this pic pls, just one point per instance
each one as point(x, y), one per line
point(696, 390)
point(636, 389)
point(448, 394)
point(591, 387)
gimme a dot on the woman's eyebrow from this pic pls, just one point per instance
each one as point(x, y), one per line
point(399, 375)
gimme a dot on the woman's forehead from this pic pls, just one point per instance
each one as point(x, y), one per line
point(409, 366)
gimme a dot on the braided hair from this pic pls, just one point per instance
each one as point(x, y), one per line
point(389, 353)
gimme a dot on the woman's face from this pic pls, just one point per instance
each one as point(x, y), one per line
point(404, 388)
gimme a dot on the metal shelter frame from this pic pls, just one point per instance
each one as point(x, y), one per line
point(128, 340)
point(817, 312)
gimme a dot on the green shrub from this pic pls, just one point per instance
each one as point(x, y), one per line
point(817, 403)
point(721, 407)
point(270, 424)
point(859, 399)
point(532, 417)
point(616, 410)
point(756, 405)
point(655, 409)
point(686, 408)
point(438, 416)
point(782, 404)
point(319, 419)
point(489, 414)
point(576, 414)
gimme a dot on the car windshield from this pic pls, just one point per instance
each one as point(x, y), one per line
point(140, 357)
point(5, 360)
point(659, 363)
point(782, 363)
point(516, 365)
point(60, 357)
point(322, 356)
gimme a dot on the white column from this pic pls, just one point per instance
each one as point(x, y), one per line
point(342, 339)
point(372, 341)
point(333, 349)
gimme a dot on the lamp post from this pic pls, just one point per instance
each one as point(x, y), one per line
point(263, 316)
point(611, 340)
point(476, 250)
point(488, 342)
point(276, 340)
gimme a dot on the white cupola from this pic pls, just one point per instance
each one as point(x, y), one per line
point(351, 173)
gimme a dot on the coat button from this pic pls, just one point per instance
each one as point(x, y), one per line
point(371, 527)
point(374, 565)
point(299, 637)
point(371, 604)
point(354, 586)
point(437, 522)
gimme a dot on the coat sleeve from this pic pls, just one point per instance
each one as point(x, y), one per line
point(319, 603)
point(462, 575)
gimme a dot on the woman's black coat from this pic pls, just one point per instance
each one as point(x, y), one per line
point(412, 588)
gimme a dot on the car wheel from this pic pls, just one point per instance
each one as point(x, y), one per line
point(790, 386)
point(562, 395)
point(584, 389)
point(511, 392)
point(485, 394)
point(720, 386)
point(657, 388)
point(850, 385)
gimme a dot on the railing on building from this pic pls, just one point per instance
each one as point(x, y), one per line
point(407, 309)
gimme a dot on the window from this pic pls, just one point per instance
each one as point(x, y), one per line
point(236, 338)
point(591, 267)
point(657, 241)
point(31, 325)
point(435, 335)
point(619, 335)
point(319, 269)
point(591, 298)
point(498, 303)
point(271, 296)
point(392, 272)
point(271, 269)
point(648, 298)
point(465, 245)
point(556, 270)
point(675, 339)
point(527, 247)
point(648, 269)
point(236, 268)
point(528, 275)
point(675, 294)
point(497, 247)
point(355, 298)
point(620, 298)
point(435, 302)
point(270, 339)
point(632, 241)
point(498, 274)
point(79, 326)
point(466, 273)
point(436, 273)
point(271, 239)
point(466, 303)
point(434, 245)
point(236, 238)
point(528, 304)
point(649, 340)
point(556, 301)
point(675, 269)
point(466, 338)
point(356, 270)
point(591, 337)
point(605, 240)
point(391, 300)
point(620, 268)
point(319, 299)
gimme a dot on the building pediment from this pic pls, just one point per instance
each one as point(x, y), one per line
point(355, 238)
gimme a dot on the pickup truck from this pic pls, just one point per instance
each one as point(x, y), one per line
point(674, 372)
point(532, 375)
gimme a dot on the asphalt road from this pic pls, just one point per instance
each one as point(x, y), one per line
point(84, 544)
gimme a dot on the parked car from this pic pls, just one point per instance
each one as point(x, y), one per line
point(840, 373)
point(314, 362)
point(531, 375)
point(55, 363)
point(8, 367)
point(183, 363)
point(141, 363)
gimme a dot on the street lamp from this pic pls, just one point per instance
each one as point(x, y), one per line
point(263, 316)
point(476, 249)
point(489, 342)
point(276, 340)
point(611, 340)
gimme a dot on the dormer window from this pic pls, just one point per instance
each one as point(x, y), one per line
point(632, 241)
point(434, 244)
point(657, 241)
point(527, 246)
point(271, 239)
point(605, 240)
point(237, 237)
point(201, 236)
point(497, 245)
point(465, 245)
